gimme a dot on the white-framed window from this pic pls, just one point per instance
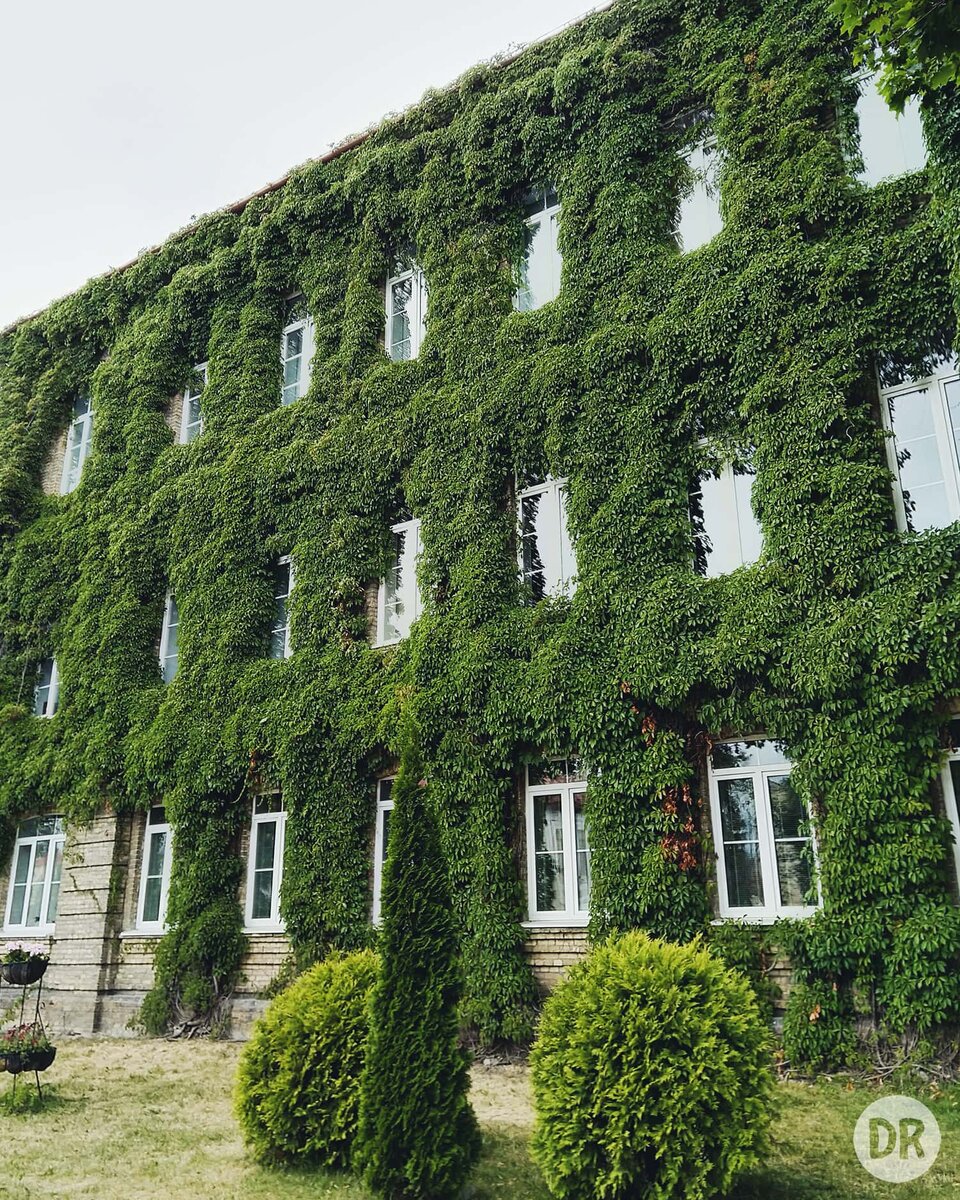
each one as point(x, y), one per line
point(548, 563)
point(398, 596)
point(726, 532)
point(558, 846)
point(699, 219)
point(170, 639)
point(283, 584)
point(765, 849)
point(46, 693)
point(539, 269)
point(79, 435)
point(951, 789)
point(924, 451)
point(35, 876)
point(381, 841)
point(406, 301)
point(296, 350)
point(191, 420)
point(891, 144)
point(265, 863)
point(155, 871)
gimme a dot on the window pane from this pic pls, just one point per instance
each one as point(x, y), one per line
point(539, 271)
point(42, 697)
point(919, 460)
point(786, 807)
point(266, 845)
point(401, 598)
point(955, 778)
point(751, 536)
point(793, 871)
point(734, 754)
point(744, 880)
point(293, 344)
point(401, 296)
point(699, 219)
point(37, 880)
point(548, 823)
point(738, 810)
point(20, 876)
point(545, 543)
point(547, 770)
point(385, 789)
point(262, 896)
point(952, 390)
point(53, 901)
point(890, 145)
point(272, 803)
point(583, 852)
point(385, 817)
point(151, 899)
point(714, 513)
point(158, 852)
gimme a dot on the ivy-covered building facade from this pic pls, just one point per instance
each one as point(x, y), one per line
point(595, 425)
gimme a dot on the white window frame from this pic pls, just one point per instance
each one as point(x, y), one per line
point(169, 608)
point(411, 529)
point(570, 916)
point(304, 324)
point(557, 490)
point(772, 908)
point(191, 392)
point(705, 184)
point(549, 214)
point(53, 692)
point(731, 499)
point(273, 923)
point(79, 434)
point(285, 560)
point(150, 831)
point(380, 847)
point(418, 310)
point(57, 841)
point(951, 798)
point(946, 373)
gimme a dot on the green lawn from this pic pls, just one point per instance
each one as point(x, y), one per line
point(138, 1119)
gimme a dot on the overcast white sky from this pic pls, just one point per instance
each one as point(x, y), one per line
point(125, 120)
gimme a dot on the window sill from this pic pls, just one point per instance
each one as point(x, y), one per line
point(265, 930)
point(558, 922)
point(140, 935)
point(766, 919)
point(44, 934)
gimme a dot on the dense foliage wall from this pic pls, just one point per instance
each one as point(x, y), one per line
point(842, 640)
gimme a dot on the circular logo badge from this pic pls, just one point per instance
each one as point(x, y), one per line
point(897, 1139)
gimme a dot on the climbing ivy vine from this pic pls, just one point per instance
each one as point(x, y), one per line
point(843, 640)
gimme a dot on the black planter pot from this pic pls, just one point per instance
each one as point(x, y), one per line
point(29, 1060)
point(20, 973)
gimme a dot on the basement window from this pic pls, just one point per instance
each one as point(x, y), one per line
point(191, 422)
point(538, 272)
point(398, 596)
point(155, 872)
point(296, 350)
point(35, 876)
point(170, 640)
point(46, 694)
point(406, 298)
point(548, 563)
point(558, 846)
point(726, 533)
point(924, 452)
point(265, 863)
point(381, 841)
point(766, 864)
point(699, 219)
point(283, 583)
point(79, 436)
point(891, 144)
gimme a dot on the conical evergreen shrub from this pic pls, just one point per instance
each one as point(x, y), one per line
point(418, 1136)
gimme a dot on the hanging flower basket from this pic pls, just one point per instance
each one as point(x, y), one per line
point(29, 1060)
point(21, 964)
point(26, 1048)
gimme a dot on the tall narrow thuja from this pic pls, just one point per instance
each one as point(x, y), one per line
point(418, 1136)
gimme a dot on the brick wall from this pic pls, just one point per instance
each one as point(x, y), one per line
point(52, 472)
point(551, 953)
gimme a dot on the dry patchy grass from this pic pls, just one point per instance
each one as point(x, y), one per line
point(131, 1120)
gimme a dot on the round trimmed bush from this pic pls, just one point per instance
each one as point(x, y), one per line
point(298, 1084)
point(652, 1075)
